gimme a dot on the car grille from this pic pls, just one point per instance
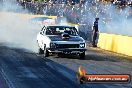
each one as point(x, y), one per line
point(67, 45)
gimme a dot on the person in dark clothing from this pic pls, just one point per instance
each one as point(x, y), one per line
point(95, 32)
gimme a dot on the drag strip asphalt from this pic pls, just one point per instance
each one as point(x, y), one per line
point(24, 69)
point(27, 70)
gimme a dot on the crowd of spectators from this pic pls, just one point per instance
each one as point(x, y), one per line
point(81, 13)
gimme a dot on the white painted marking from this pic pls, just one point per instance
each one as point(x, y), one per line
point(8, 82)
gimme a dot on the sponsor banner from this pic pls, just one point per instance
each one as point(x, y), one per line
point(83, 77)
point(107, 78)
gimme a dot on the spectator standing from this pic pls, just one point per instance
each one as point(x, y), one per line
point(95, 32)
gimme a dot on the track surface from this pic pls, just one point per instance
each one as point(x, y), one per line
point(20, 68)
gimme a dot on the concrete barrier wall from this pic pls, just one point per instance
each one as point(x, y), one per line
point(116, 43)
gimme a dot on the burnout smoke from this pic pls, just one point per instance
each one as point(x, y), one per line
point(15, 30)
point(112, 19)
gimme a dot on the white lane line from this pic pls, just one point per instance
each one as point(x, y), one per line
point(8, 82)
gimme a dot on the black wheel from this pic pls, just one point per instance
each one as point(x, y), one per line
point(59, 54)
point(46, 52)
point(41, 51)
point(82, 55)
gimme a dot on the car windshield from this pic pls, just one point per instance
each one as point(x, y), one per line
point(58, 30)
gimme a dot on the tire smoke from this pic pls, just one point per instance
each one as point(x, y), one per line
point(15, 30)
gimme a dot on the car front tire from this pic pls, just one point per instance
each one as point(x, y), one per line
point(82, 55)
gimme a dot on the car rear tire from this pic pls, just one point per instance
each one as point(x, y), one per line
point(41, 51)
point(46, 52)
point(82, 55)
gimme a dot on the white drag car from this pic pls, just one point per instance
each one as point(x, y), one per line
point(60, 39)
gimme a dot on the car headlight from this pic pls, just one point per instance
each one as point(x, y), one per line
point(52, 45)
point(82, 45)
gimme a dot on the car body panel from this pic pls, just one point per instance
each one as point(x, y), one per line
point(58, 43)
point(59, 38)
